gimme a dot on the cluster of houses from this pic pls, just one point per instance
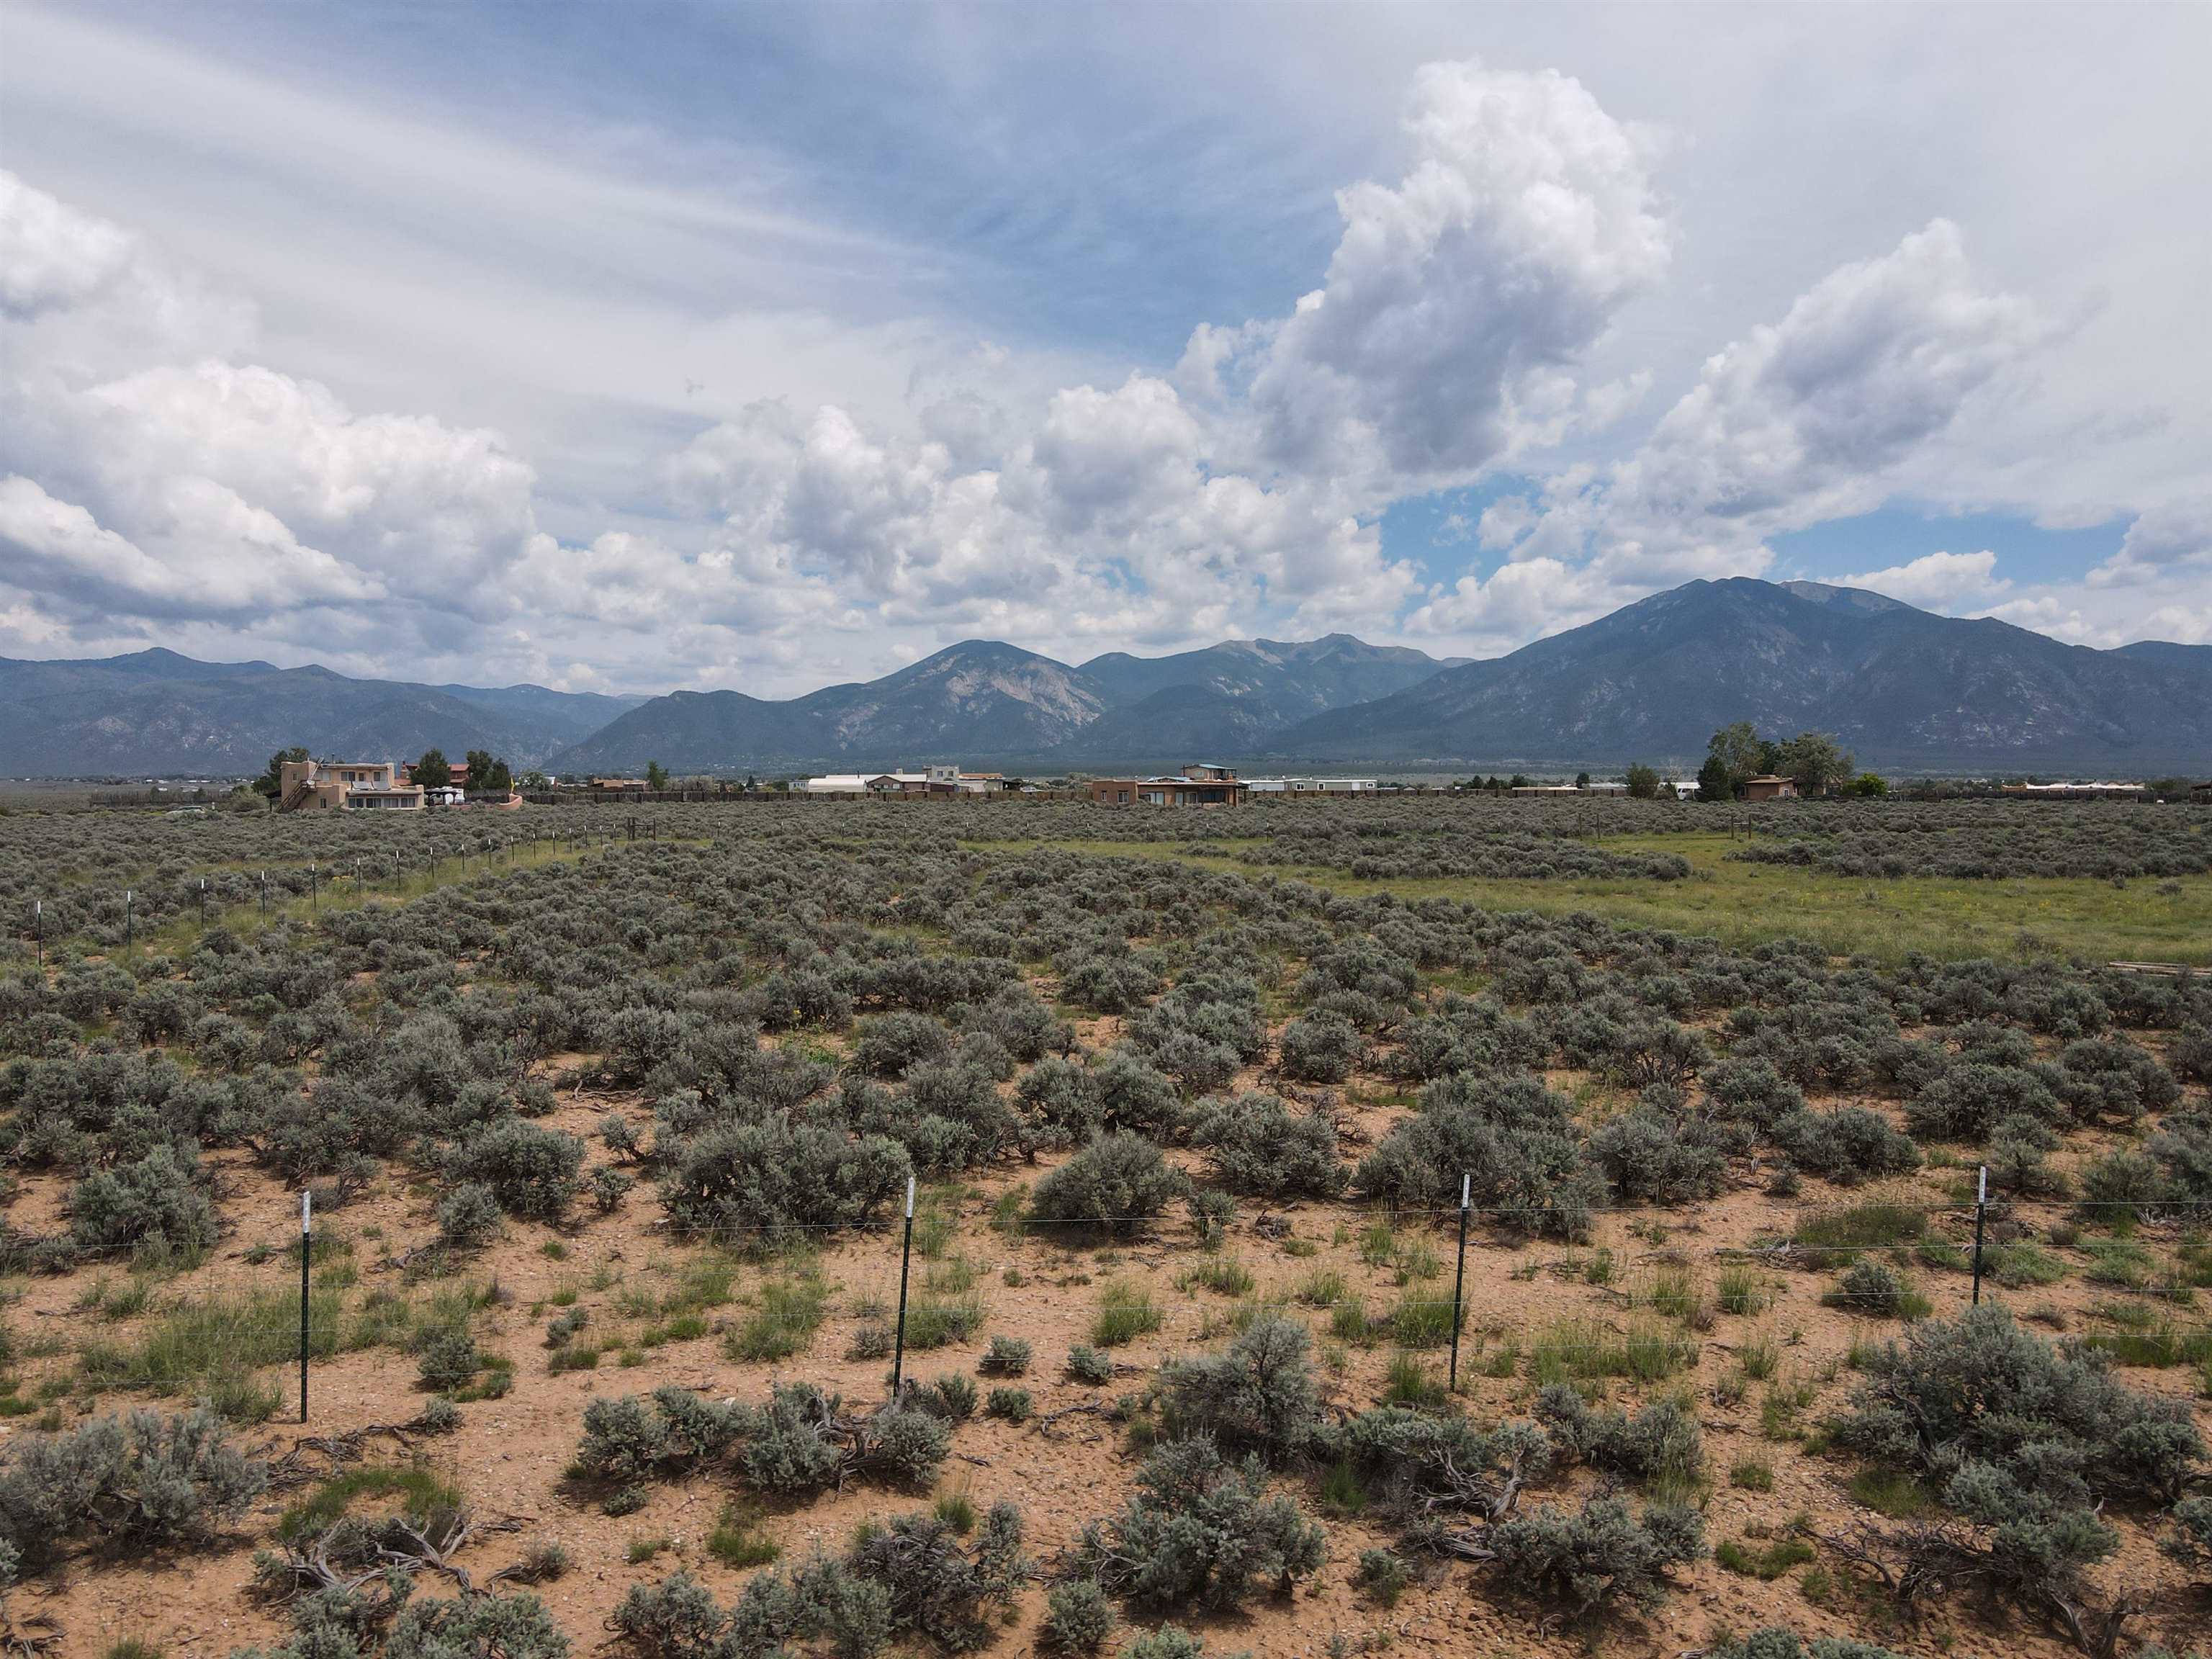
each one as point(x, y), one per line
point(2078, 790)
point(1679, 789)
point(389, 786)
point(312, 786)
point(930, 780)
point(1201, 783)
point(1761, 789)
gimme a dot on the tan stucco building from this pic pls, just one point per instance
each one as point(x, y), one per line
point(345, 786)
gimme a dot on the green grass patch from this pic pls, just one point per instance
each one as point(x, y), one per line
point(1410, 1381)
point(1423, 1322)
point(2156, 1345)
point(1342, 1491)
point(1417, 1262)
point(1943, 1254)
point(1742, 1291)
point(1224, 1275)
point(1892, 1492)
point(1322, 1289)
point(684, 1327)
point(1126, 1312)
point(702, 1282)
point(954, 1277)
point(781, 1321)
point(1349, 1322)
point(1765, 1564)
point(933, 1322)
point(105, 1299)
point(1752, 1474)
point(2020, 1265)
point(735, 1540)
point(213, 1346)
point(1841, 1236)
point(1673, 1291)
point(1580, 1350)
point(422, 1493)
point(1781, 1409)
point(2118, 1261)
point(1378, 1245)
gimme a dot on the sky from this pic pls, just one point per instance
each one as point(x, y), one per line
point(636, 347)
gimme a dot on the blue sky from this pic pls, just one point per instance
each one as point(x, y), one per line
point(640, 346)
point(2026, 551)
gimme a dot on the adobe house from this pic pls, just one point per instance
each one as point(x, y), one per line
point(1201, 783)
point(1770, 788)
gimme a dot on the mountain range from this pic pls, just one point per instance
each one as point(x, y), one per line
point(1904, 688)
point(984, 700)
point(1901, 686)
point(155, 713)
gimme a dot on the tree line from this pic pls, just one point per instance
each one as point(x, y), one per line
point(1814, 761)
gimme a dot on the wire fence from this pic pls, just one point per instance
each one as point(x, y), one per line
point(1643, 1295)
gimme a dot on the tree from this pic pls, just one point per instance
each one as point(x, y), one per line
point(1582, 780)
point(486, 773)
point(1739, 753)
point(1869, 784)
point(434, 770)
point(1815, 760)
point(656, 776)
point(1713, 780)
point(1642, 782)
point(271, 782)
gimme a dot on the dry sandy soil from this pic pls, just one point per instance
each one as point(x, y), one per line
point(510, 1454)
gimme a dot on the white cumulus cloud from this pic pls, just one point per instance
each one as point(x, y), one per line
point(1459, 301)
point(1937, 582)
point(2160, 541)
point(1802, 420)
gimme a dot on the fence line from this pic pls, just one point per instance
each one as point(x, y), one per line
point(240, 1329)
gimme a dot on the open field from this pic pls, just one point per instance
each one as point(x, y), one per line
point(2167, 919)
point(609, 1143)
